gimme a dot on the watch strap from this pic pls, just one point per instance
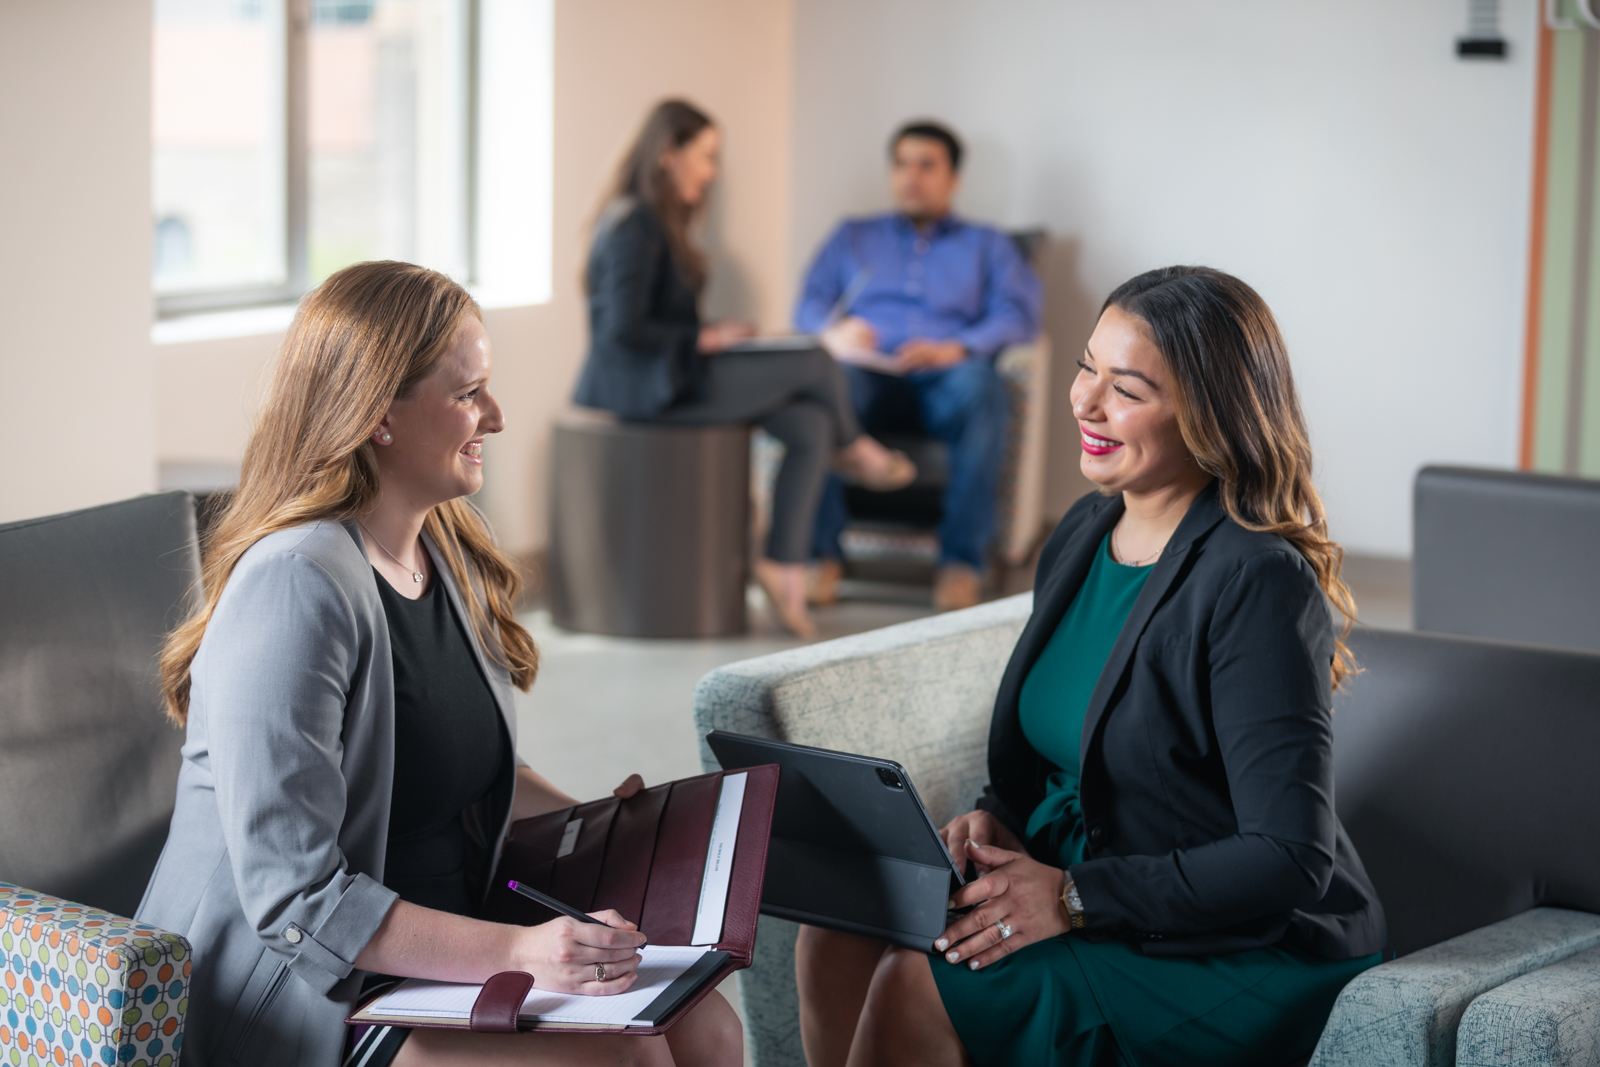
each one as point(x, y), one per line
point(1071, 902)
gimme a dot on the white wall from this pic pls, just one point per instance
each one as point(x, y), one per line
point(76, 395)
point(1337, 156)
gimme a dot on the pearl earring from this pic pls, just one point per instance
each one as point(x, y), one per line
point(387, 437)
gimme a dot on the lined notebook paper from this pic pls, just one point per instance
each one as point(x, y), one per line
point(662, 965)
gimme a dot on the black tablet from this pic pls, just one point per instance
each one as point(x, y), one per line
point(853, 848)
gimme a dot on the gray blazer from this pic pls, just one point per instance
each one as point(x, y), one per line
point(273, 868)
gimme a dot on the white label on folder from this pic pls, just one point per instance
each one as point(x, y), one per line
point(569, 838)
point(719, 862)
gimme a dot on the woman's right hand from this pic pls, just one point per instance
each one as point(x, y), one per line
point(562, 954)
point(981, 828)
point(717, 336)
point(851, 334)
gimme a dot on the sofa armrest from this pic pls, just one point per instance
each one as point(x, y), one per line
point(1405, 1013)
point(89, 986)
point(1549, 1018)
point(920, 693)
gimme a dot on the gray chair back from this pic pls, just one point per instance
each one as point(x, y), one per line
point(1508, 555)
point(1465, 774)
point(88, 761)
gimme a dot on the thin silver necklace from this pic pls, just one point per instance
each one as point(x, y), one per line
point(416, 576)
point(1121, 558)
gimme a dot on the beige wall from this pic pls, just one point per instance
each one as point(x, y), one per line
point(613, 59)
point(75, 380)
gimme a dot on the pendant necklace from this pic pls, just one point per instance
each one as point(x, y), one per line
point(416, 576)
point(1114, 550)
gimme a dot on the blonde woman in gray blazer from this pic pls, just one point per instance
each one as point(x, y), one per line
point(350, 507)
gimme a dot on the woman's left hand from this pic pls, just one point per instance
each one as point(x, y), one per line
point(630, 785)
point(1018, 891)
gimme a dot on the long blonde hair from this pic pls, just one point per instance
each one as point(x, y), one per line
point(361, 340)
point(1240, 416)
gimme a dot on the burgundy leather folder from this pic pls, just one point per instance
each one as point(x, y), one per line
point(645, 857)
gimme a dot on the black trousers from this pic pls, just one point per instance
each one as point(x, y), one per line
point(798, 396)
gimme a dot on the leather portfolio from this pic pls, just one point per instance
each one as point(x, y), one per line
point(646, 858)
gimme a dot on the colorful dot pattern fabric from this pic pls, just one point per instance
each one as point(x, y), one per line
point(80, 987)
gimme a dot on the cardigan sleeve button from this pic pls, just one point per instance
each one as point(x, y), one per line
point(1097, 835)
point(292, 934)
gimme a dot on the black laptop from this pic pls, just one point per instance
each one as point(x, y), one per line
point(853, 849)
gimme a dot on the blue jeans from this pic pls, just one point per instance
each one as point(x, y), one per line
point(965, 407)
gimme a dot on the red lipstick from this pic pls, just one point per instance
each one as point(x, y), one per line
point(1096, 445)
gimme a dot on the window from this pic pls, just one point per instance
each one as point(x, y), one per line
point(294, 137)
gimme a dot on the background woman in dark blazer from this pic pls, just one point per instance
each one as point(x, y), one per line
point(1163, 878)
point(651, 358)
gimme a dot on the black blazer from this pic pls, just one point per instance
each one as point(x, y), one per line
point(1207, 752)
point(644, 328)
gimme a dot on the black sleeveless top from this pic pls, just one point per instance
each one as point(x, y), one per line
point(450, 751)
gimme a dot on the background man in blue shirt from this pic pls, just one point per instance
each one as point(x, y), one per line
point(943, 296)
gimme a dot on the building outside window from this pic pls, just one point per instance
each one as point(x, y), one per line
point(295, 137)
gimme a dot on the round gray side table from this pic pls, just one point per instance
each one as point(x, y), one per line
point(649, 527)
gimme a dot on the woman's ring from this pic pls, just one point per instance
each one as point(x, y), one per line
point(1005, 931)
point(599, 972)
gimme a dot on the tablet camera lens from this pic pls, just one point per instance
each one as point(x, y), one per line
point(889, 778)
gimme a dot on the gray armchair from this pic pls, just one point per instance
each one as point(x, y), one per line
point(1509, 555)
point(85, 749)
point(88, 772)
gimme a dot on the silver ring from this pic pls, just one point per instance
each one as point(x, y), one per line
point(1005, 930)
point(599, 972)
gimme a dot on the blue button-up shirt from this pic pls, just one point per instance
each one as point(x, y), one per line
point(956, 281)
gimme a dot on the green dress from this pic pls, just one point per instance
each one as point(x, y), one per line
point(1068, 1002)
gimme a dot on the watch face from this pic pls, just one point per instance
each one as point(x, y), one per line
point(1073, 900)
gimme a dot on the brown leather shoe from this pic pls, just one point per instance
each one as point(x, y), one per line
point(822, 582)
point(957, 586)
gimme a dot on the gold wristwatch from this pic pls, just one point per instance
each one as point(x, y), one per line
point(1072, 902)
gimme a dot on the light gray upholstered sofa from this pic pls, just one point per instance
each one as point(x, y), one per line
point(1518, 982)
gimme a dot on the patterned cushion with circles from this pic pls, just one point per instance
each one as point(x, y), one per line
point(79, 986)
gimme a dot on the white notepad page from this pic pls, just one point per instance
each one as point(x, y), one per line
point(661, 965)
point(719, 861)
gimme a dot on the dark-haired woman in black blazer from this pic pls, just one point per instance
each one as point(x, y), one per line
point(1163, 878)
point(651, 359)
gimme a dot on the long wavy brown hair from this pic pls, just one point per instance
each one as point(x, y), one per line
point(670, 125)
point(361, 340)
point(1239, 414)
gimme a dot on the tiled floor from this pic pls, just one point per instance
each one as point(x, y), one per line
point(605, 707)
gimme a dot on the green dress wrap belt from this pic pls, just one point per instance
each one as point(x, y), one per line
point(1069, 1002)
